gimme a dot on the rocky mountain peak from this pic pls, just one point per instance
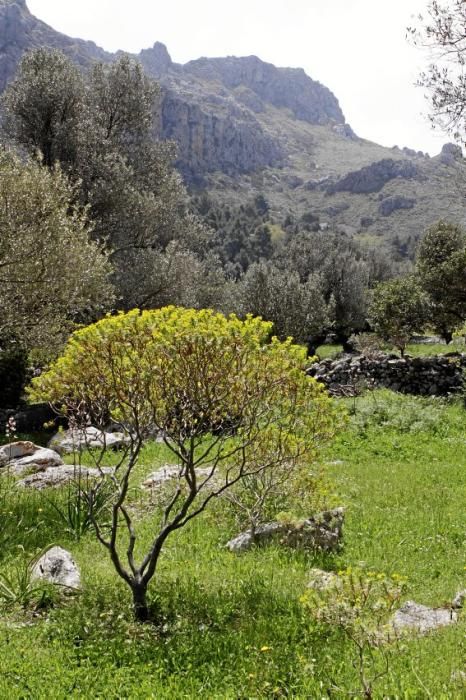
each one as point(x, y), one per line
point(156, 60)
point(282, 87)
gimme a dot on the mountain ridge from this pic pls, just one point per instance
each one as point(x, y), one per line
point(244, 126)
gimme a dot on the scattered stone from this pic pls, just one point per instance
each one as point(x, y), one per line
point(57, 566)
point(166, 473)
point(458, 601)
point(321, 580)
point(78, 439)
point(323, 531)
point(54, 477)
point(169, 472)
point(419, 618)
point(459, 677)
point(16, 450)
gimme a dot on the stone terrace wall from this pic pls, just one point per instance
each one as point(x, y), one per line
point(426, 376)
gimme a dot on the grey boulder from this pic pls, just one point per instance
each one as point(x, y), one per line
point(78, 439)
point(58, 567)
point(420, 618)
point(19, 457)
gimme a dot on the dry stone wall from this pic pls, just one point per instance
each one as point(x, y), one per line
point(426, 376)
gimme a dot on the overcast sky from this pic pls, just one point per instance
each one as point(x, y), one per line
point(357, 48)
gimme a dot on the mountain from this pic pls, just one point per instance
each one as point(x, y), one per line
point(245, 127)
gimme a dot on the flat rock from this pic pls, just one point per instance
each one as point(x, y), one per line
point(420, 618)
point(57, 566)
point(54, 477)
point(76, 440)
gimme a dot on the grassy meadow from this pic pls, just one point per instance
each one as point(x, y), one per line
point(233, 626)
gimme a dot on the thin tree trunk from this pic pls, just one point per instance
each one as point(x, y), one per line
point(140, 607)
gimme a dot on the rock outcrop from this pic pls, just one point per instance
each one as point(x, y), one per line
point(291, 88)
point(450, 153)
point(373, 177)
point(55, 477)
point(390, 204)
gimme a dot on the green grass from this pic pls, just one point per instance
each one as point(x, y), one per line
point(233, 626)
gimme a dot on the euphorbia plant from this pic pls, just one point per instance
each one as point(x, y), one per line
point(225, 398)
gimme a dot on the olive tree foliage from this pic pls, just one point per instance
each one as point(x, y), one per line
point(99, 127)
point(343, 273)
point(441, 268)
point(442, 30)
point(296, 309)
point(228, 404)
point(398, 310)
point(51, 272)
point(44, 107)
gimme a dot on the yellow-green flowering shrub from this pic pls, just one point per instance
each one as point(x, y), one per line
point(225, 398)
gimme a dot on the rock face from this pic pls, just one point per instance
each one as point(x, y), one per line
point(232, 141)
point(372, 178)
point(282, 87)
point(425, 376)
point(58, 567)
point(323, 531)
point(215, 129)
point(419, 618)
point(20, 31)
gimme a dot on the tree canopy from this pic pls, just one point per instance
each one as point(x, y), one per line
point(441, 268)
point(51, 272)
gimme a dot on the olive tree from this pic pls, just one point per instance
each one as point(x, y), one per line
point(228, 404)
point(51, 272)
point(398, 309)
point(99, 127)
point(296, 309)
point(441, 268)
